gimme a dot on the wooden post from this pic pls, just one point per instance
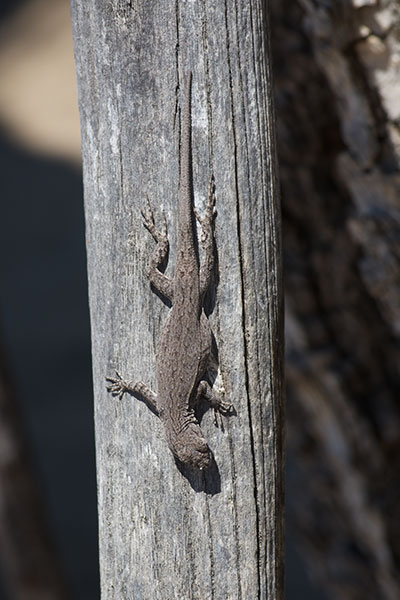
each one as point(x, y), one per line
point(163, 533)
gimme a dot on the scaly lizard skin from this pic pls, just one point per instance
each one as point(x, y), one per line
point(185, 343)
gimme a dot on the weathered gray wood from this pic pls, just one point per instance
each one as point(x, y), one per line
point(166, 534)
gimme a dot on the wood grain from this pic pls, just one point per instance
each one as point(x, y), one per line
point(166, 533)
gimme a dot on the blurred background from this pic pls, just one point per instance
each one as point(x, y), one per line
point(48, 515)
point(337, 83)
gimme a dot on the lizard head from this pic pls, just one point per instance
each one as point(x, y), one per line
point(191, 448)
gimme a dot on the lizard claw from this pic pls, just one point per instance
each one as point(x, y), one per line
point(226, 408)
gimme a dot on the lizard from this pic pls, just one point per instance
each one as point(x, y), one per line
point(185, 343)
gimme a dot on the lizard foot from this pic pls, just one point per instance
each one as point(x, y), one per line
point(221, 408)
point(118, 385)
point(149, 223)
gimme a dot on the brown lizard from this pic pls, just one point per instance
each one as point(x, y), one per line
point(185, 344)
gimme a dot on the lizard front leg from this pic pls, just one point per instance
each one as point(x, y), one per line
point(119, 386)
point(207, 239)
point(204, 390)
point(158, 279)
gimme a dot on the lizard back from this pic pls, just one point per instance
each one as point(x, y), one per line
point(185, 342)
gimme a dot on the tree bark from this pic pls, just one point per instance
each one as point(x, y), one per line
point(337, 90)
point(164, 532)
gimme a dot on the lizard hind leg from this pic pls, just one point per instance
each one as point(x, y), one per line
point(220, 406)
point(207, 239)
point(160, 253)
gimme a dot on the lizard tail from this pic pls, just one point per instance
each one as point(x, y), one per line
point(186, 150)
point(185, 179)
